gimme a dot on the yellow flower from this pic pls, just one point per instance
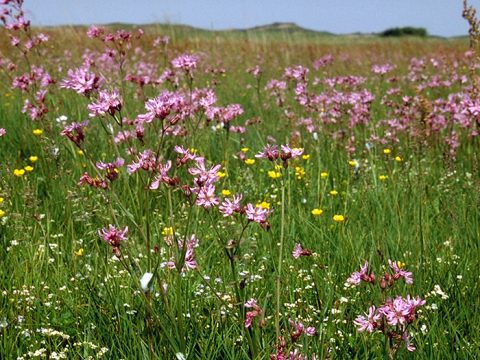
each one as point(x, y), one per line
point(317, 212)
point(324, 175)
point(2, 200)
point(37, 132)
point(383, 177)
point(167, 231)
point(221, 174)
point(400, 264)
point(244, 149)
point(353, 162)
point(338, 218)
point(333, 192)
point(19, 172)
point(387, 151)
point(299, 172)
point(305, 156)
point(226, 192)
point(278, 167)
point(28, 168)
point(274, 174)
point(193, 150)
point(264, 205)
point(249, 161)
point(79, 252)
point(80, 152)
point(2, 213)
point(398, 159)
point(33, 158)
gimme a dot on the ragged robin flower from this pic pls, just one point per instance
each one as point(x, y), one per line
point(113, 237)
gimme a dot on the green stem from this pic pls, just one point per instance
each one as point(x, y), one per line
point(280, 263)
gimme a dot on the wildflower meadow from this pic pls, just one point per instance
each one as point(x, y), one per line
point(167, 193)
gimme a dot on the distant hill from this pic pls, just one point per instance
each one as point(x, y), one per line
point(285, 27)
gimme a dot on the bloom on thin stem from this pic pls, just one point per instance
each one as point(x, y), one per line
point(250, 315)
point(111, 169)
point(256, 214)
point(398, 273)
point(368, 323)
point(228, 207)
point(298, 251)
point(359, 276)
point(106, 103)
point(74, 132)
point(113, 237)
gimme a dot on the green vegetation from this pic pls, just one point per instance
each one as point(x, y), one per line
point(389, 170)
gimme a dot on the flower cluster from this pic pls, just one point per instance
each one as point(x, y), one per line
point(394, 315)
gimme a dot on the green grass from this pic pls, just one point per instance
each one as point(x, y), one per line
point(57, 273)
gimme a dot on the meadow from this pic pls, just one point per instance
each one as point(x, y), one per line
point(169, 193)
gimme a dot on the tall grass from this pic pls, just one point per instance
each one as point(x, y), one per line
point(408, 199)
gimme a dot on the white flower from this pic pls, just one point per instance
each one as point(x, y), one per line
point(145, 280)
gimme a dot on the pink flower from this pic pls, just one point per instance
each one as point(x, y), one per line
point(82, 81)
point(368, 323)
point(165, 104)
point(185, 62)
point(74, 132)
point(162, 176)
point(270, 152)
point(299, 329)
point(250, 315)
point(288, 152)
point(398, 273)
point(185, 155)
point(106, 103)
point(113, 237)
point(146, 161)
point(400, 311)
point(2, 132)
point(358, 276)
point(204, 176)
point(93, 182)
point(206, 197)
point(228, 207)
point(408, 344)
point(111, 169)
point(256, 214)
point(189, 262)
point(299, 251)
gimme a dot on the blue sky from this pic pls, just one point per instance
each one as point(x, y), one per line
point(439, 17)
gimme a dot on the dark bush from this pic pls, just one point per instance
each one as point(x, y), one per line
point(404, 31)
